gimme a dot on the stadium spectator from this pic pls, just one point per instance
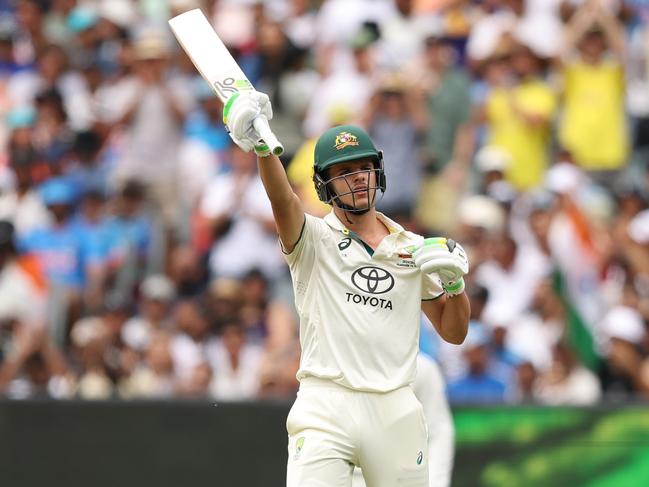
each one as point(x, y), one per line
point(95, 101)
point(153, 377)
point(157, 294)
point(478, 385)
point(397, 120)
point(567, 382)
point(594, 128)
point(241, 221)
point(236, 363)
point(20, 202)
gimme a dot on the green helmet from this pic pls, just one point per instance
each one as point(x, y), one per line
point(343, 143)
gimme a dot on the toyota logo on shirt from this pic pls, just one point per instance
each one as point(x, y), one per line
point(373, 280)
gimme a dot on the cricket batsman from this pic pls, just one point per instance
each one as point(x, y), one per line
point(360, 282)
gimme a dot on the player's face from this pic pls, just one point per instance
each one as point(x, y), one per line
point(354, 182)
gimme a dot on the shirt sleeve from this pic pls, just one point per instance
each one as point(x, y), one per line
point(303, 253)
point(303, 258)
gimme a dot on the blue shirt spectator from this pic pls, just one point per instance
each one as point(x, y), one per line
point(478, 388)
point(478, 384)
point(59, 250)
point(59, 246)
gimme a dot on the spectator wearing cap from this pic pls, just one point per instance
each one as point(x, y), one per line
point(491, 162)
point(622, 333)
point(150, 107)
point(593, 126)
point(116, 19)
point(518, 115)
point(90, 338)
point(59, 249)
point(157, 294)
point(397, 120)
point(58, 245)
point(82, 21)
point(479, 220)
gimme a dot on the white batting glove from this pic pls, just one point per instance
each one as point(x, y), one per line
point(447, 259)
point(239, 114)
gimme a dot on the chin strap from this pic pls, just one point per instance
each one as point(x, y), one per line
point(350, 209)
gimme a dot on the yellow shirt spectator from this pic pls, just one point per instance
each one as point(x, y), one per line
point(300, 175)
point(593, 128)
point(519, 120)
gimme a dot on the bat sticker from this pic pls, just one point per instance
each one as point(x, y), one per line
point(230, 86)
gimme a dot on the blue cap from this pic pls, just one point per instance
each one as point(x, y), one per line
point(21, 117)
point(81, 18)
point(58, 191)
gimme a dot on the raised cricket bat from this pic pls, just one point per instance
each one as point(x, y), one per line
point(216, 65)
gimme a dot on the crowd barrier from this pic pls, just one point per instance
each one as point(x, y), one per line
point(197, 443)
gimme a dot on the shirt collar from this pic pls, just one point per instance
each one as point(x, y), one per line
point(333, 221)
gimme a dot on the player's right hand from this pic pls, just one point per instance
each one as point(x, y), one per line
point(239, 114)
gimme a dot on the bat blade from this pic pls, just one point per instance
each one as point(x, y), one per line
point(208, 53)
point(216, 65)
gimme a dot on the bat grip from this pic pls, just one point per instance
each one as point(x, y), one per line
point(263, 129)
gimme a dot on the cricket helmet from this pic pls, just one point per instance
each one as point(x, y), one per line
point(343, 143)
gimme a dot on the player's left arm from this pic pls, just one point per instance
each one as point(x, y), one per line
point(449, 313)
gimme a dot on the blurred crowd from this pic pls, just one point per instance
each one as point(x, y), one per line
point(138, 254)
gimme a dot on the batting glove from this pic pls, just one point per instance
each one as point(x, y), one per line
point(239, 114)
point(447, 259)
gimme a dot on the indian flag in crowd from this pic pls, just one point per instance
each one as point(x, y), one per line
point(577, 281)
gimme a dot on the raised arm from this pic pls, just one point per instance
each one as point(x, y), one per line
point(287, 208)
point(238, 116)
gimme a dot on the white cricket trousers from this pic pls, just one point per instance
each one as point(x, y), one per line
point(332, 428)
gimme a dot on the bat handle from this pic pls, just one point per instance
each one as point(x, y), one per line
point(263, 129)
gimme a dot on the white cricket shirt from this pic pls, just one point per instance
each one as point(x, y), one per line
point(359, 312)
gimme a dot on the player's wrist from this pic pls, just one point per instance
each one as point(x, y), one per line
point(454, 288)
point(262, 149)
